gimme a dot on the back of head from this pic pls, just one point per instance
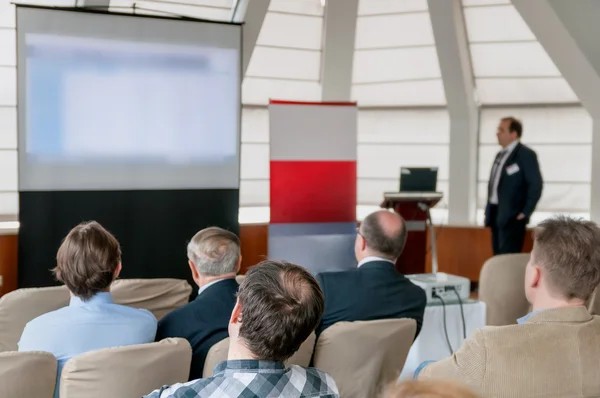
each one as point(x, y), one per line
point(87, 260)
point(568, 252)
point(384, 233)
point(214, 251)
point(429, 389)
point(282, 305)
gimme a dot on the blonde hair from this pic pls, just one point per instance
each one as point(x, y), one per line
point(429, 389)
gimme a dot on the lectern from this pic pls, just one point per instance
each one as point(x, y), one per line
point(414, 208)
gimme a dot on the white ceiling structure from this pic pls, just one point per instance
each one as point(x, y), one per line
point(391, 67)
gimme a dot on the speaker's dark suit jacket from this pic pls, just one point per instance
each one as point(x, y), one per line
point(203, 322)
point(373, 291)
point(519, 189)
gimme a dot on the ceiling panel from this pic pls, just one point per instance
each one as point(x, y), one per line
point(291, 31)
point(525, 91)
point(428, 92)
point(395, 64)
point(370, 7)
point(397, 30)
point(496, 23)
point(512, 59)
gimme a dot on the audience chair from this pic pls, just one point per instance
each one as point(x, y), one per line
point(27, 374)
point(593, 304)
point(502, 288)
point(364, 357)
point(218, 353)
point(159, 296)
point(128, 371)
point(240, 278)
point(23, 305)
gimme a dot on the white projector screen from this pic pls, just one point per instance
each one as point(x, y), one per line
point(117, 102)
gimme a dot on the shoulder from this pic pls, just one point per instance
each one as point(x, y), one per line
point(134, 314)
point(526, 151)
point(299, 374)
point(336, 275)
point(189, 389)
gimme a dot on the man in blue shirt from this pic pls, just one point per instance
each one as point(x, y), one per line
point(88, 261)
point(214, 259)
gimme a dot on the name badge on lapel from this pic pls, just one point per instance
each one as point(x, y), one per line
point(512, 169)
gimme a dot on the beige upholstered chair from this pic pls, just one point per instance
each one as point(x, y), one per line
point(364, 357)
point(23, 305)
point(218, 353)
point(502, 288)
point(159, 296)
point(594, 303)
point(240, 278)
point(125, 372)
point(27, 374)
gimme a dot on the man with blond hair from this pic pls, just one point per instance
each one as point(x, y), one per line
point(88, 261)
point(555, 350)
point(214, 259)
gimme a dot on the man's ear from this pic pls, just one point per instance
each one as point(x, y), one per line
point(117, 271)
point(236, 314)
point(363, 243)
point(195, 273)
point(239, 265)
point(536, 276)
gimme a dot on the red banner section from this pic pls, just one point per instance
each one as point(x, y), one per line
point(313, 191)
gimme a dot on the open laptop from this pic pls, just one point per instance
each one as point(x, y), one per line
point(418, 179)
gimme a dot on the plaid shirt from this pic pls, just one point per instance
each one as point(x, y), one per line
point(255, 379)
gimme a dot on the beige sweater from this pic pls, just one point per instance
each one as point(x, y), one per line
point(555, 353)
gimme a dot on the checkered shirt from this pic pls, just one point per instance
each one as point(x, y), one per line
point(255, 379)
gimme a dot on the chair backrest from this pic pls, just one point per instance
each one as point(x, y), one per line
point(593, 303)
point(502, 288)
point(159, 296)
point(23, 305)
point(128, 371)
point(363, 357)
point(218, 353)
point(240, 278)
point(27, 374)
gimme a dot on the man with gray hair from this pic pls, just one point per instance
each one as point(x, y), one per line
point(214, 259)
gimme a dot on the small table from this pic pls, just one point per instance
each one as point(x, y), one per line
point(431, 344)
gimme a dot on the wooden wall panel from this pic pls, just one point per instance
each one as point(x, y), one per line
point(8, 262)
point(461, 251)
point(254, 239)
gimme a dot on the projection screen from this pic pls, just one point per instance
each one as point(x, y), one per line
point(115, 102)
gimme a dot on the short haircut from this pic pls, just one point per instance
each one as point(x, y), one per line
point(214, 251)
point(568, 250)
point(514, 125)
point(87, 260)
point(387, 245)
point(429, 389)
point(282, 305)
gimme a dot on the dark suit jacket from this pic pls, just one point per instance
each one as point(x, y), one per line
point(520, 191)
point(203, 322)
point(373, 291)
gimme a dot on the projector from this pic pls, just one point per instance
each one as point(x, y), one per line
point(442, 285)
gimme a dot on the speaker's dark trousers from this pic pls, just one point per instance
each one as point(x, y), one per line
point(507, 238)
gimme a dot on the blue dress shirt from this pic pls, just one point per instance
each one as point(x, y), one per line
point(86, 326)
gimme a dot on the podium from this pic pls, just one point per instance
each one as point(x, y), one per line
point(414, 208)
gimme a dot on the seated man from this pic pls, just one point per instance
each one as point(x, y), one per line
point(214, 259)
point(375, 289)
point(279, 305)
point(555, 350)
point(88, 261)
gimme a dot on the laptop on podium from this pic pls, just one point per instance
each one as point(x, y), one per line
point(418, 179)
